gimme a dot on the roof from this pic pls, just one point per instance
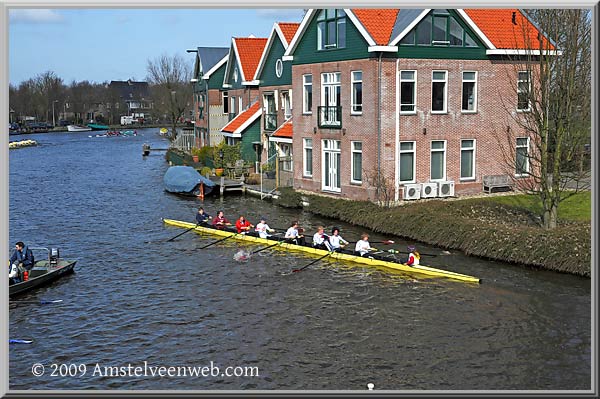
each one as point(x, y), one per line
point(284, 131)
point(289, 30)
point(243, 120)
point(498, 26)
point(129, 89)
point(249, 50)
point(378, 22)
point(210, 56)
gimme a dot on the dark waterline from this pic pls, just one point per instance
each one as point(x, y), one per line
point(136, 298)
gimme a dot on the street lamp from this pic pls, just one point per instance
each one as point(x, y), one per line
point(221, 155)
point(53, 119)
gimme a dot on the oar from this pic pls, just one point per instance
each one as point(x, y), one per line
point(218, 241)
point(312, 263)
point(41, 302)
point(385, 242)
point(20, 341)
point(270, 246)
point(180, 234)
point(394, 251)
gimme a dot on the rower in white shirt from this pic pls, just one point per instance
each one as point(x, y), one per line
point(362, 246)
point(263, 229)
point(336, 240)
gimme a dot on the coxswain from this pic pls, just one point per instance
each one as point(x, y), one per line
point(413, 256)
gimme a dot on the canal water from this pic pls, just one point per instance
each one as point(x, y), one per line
point(137, 301)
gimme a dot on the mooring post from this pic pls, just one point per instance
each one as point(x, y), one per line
point(145, 149)
point(222, 186)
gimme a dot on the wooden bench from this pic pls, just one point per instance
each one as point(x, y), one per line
point(497, 181)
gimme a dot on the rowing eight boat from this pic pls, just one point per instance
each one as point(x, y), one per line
point(418, 269)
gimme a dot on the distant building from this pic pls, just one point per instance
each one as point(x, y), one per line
point(135, 96)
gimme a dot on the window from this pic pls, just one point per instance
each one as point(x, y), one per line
point(331, 29)
point(331, 165)
point(308, 158)
point(467, 159)
point(407, 161)
point(286, 156)
point(439, 28)
point(522, 156)
point(438, 160)
point(278, 68)
point(469, 92)
point(356, 92)
point(225, 102)
point(285, 102)
point(270, 111)
point(307, 94)
point(232, 109)
point(408, 92)
point(438, 91)
point(356, 161)
point(330, 110)
point(523, 89)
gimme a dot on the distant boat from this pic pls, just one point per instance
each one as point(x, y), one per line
point(96, 126)
point(78, 128)
point(185, 180)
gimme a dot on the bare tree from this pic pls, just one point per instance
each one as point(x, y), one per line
point(553, 89)
point(384, 187)
point(169, 77)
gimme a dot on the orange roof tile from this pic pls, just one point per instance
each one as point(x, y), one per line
point(378, 22)
point(498, 26)
point(238, 122)
point(285, 131)
point(250, 50)
point(288, 29)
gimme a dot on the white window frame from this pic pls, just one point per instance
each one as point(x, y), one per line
point(445, 80)
point(527, 165)
point(241, 103)
point(305, 147)
point(474, 81)
point(305, 109)
point(413, 151)
point(286, 104)
point(414, 82)
point(444, 164)
point(519, 81)
point(473, 151)
point(353, 99)
point(286, 166)
point(232, 106)
point(353, 151)
point(333, 148)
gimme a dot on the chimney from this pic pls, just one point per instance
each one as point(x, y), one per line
point(514, 17)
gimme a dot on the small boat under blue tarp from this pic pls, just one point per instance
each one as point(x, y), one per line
point(185, 180)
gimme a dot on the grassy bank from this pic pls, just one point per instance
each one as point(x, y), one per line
point(498, 228)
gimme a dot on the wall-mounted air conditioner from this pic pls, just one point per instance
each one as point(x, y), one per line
point(412, 191)
point(429, 190)
point(446, 189)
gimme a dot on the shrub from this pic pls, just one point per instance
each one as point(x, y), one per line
point(205, 171)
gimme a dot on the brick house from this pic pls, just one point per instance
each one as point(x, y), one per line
point(209, 117)
point(406, 101)
point(275, 91)
point(241, 97)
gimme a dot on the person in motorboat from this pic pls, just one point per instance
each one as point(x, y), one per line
point(263, 228)
point(293, 234)
point(202, 217)
point(242, 225)
point(413, 256)
point(220, 222)
point(22, 257)
point(363, 247)
point(321, 240)
point(336, 240)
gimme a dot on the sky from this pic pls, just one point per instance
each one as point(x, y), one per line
point(115, 44)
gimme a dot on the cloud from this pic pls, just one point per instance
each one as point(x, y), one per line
point(35, 16)
point(280, 14)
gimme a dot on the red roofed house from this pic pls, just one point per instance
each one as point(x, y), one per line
point(415, 97)
point(242, 92)
point(275, 79)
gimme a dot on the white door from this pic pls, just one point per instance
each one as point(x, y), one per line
point(331, 165)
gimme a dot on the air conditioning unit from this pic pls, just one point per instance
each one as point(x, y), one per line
point(412, 191)
point(446, 189)
point(429, 190)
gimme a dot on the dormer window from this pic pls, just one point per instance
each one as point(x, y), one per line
point(439, 28)
point(331, 29)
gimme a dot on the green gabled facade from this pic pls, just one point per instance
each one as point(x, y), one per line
point(230, 78)
point(268, 75)
point(307, 53)
point(408, 47)
point(215, 81)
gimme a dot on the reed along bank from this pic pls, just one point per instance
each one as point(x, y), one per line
point(477, 226)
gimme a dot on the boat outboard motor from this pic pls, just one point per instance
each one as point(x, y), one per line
point(54, 255)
